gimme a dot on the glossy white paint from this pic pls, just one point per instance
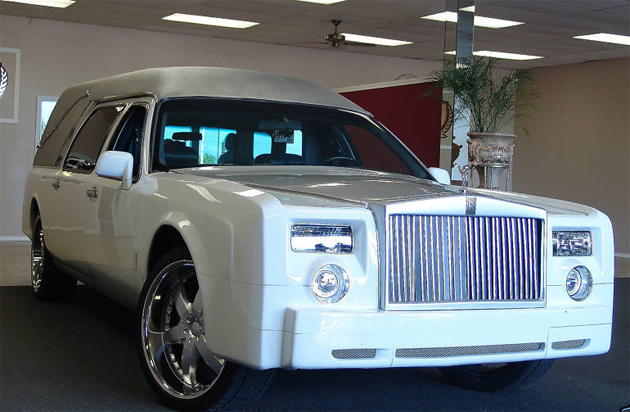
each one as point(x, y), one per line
point(116, 165)
point(257, 291)
point(258, 304)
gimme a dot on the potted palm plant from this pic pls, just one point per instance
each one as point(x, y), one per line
point(486, 100)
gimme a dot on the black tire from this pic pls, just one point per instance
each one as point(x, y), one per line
point(172, 345)
point(495, 377)
point(47, 282)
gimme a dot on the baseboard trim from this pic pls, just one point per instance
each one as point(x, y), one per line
point(14, 239)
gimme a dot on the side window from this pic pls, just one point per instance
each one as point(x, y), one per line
point(128, 137)
point(87, 145)
point(59, 128)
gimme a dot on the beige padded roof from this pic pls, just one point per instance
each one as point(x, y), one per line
point(211, 82)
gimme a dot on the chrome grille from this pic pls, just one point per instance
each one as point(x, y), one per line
point(433, 259)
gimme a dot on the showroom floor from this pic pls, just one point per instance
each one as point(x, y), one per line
point(80, 356)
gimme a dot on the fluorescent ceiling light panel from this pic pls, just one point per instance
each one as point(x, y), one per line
point(60, 4)
point(606, 38)
point(449, 16)
point(508, 56)
point(209, 21)
point(500, 55)
point(358, 38)
point(469, 8)
point(480, 21)
point(322, 1)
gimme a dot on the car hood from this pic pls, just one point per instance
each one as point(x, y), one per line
point(362, 187)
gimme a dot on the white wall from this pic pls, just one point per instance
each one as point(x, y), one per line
point(579, 148)
point(56, 55)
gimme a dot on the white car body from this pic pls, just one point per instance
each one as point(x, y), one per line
point(236, 221)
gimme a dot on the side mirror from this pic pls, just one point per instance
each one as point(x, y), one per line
point(440, 175)
point(116, 165)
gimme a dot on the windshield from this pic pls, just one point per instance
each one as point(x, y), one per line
point(209, 132)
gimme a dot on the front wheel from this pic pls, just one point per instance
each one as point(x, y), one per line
point(497, 376)
point(173, 344)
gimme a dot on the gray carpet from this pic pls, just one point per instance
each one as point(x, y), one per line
point(80, 356)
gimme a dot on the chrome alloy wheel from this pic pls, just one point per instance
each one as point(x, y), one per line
point(174, 339)
point(38, 254)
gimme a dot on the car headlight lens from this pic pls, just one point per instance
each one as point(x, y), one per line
point(572, 243)
point(330, 283)
point(322, 238)
point(579, 283)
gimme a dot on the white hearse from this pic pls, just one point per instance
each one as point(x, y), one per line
point(259, 221)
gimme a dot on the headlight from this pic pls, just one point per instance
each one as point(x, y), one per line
point(572, 243)
point(321, 238)
point(330, 283)
point(579, 283)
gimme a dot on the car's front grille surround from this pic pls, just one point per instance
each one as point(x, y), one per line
point(463, 259)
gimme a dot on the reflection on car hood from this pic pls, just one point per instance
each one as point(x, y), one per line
point(362, 186)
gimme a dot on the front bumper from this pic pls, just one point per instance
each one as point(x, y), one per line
point(321, 339)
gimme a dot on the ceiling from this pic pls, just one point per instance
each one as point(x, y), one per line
point(549, 29)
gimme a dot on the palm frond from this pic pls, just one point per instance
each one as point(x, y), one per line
point(485, 100)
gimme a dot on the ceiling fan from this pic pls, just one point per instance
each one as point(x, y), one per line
point(337, 39)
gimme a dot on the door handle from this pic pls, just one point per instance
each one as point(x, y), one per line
point(56, 184)
point(92, 193)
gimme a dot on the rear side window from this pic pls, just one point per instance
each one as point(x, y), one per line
point(57, 133)
point(87, 145)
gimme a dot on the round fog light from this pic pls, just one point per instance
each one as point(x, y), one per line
point(330, 283)
point(579, 283)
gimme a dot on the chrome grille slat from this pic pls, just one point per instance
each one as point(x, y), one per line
point(436, 259)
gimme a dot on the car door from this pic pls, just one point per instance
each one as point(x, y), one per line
point(72, 193)
point(110, 219)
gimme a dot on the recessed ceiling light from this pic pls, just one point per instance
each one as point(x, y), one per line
point(322, 1)
point(210, 21)
point(606, 38)
point(357, 38)
point(500, 55)
point(480, 21)
point(60, 4)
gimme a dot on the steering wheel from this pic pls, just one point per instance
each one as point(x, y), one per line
point(330, 160)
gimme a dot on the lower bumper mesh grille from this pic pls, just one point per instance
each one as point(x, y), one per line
point(354, 353)
point(568, 344)
point(467, 350)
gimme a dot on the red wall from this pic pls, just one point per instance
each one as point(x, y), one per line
point(409, 114)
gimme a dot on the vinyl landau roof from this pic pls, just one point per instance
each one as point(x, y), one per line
point(216, 82)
